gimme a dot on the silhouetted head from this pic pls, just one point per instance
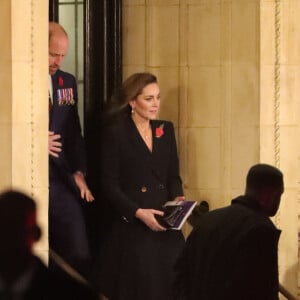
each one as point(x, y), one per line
point(264, 183)
point(18, 227)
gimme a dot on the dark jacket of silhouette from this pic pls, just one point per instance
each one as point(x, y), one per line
point(231, 255)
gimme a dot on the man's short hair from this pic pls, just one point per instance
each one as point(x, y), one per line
point(262, 175)
point(56, 28)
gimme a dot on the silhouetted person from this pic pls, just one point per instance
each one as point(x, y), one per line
point(232, 254)
point(23, 276)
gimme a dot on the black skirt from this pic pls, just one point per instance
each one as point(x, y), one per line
point(137, 263)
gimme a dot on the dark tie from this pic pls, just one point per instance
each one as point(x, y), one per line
point(50, 102)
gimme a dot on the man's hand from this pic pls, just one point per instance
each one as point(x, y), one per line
point(85, 193)
point(54, 147)
point(148, 217)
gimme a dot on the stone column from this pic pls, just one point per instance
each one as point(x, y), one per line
point(280, 121)
point(23, 105)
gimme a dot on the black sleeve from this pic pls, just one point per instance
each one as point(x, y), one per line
point(75, 148)
point(110, 175)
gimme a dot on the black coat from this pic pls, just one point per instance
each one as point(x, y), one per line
point(67, 229)
point(231, 255)
point(138, 262)
point(64, 120)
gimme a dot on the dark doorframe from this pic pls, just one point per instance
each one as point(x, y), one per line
point(103, 67)
point(53, 10)
point(102, 76)
point(103, 52)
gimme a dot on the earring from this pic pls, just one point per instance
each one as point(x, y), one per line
point(132, 110)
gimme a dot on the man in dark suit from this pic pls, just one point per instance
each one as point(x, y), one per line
point(232, 254)
point(22, 274)
point(67, 165)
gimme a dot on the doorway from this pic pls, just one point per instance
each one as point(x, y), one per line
point(95, 59)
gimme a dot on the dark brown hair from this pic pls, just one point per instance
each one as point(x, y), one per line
point(131, 88)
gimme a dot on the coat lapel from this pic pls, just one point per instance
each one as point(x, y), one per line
point(54, 97)
point(55, 87)
point(151, 159)
point(135, 137)
point(157, 144)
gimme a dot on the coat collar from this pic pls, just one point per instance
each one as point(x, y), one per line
point(246, 201)
point(252, 204)
point(55, 80)
point(137, 140)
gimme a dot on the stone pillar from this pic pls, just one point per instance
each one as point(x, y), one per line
point(23, 105)
point(280, 121)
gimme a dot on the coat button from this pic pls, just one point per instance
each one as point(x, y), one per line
point(143, 189)
point(125, 219)
point(161, 186)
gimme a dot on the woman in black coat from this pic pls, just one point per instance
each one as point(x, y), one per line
point(140, 172)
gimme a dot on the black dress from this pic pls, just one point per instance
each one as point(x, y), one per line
point(137, 263)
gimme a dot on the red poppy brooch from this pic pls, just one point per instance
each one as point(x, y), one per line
point(159, 131)
point(60, 81)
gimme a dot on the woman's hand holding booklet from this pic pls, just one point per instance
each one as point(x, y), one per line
point(175, 213)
